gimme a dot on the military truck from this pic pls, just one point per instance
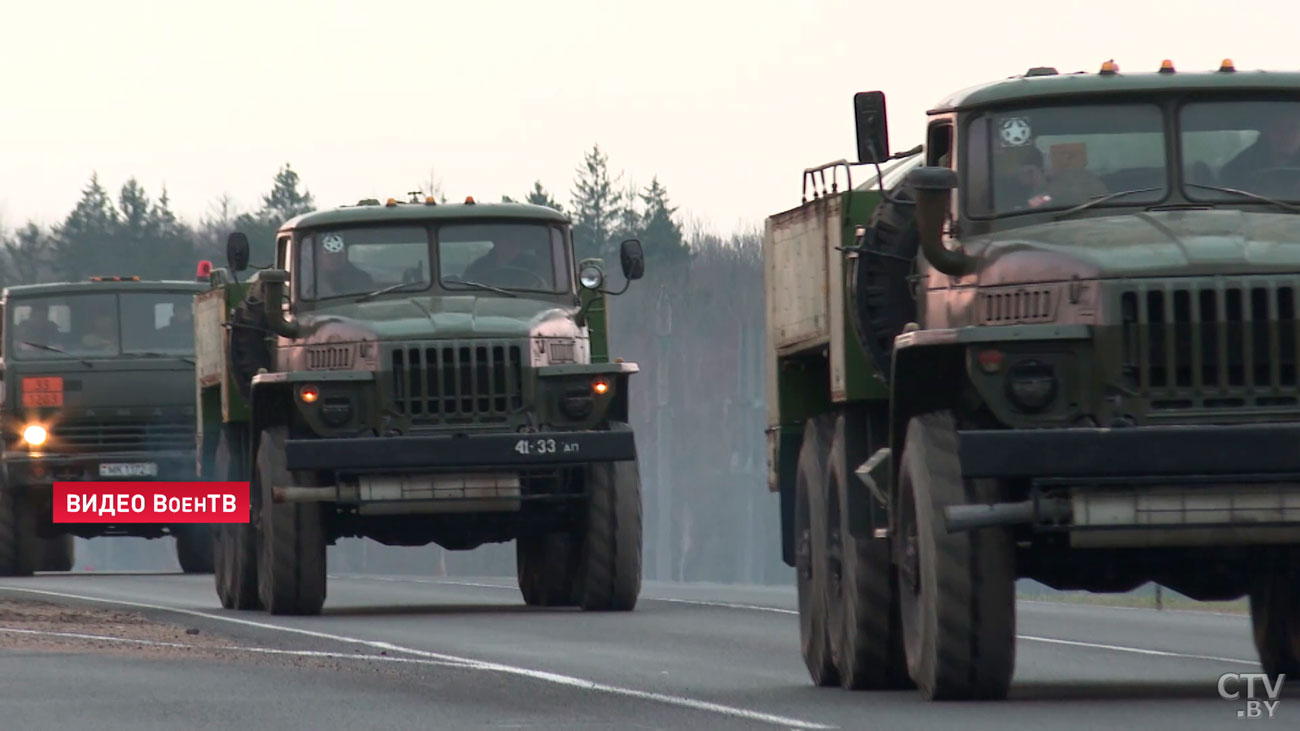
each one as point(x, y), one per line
point(412, 373)
point(97, 385)
point(1080, 369)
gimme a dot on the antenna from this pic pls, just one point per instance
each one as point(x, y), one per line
point(415, 195)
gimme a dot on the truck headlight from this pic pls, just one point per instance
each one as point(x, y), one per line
point(1031, 385)
point(35, 435)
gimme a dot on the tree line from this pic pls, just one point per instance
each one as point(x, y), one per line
point(132, 233)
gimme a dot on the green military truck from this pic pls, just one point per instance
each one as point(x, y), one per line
point(412, 373)
point(1080, 369)
point(97, 385)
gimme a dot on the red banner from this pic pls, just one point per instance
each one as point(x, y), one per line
point(151, 502)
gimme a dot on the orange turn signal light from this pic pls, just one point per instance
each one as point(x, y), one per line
point(308, 394)
point(601, 387)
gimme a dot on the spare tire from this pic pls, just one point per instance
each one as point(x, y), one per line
point(249, 350)
point(879, 279)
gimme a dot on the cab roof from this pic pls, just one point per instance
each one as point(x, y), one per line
point(1045, 84)
point(398, 212)
point(58, 288)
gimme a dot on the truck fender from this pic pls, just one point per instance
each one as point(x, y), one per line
point(925, 377)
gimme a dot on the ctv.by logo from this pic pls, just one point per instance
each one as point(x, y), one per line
point(1230, 685)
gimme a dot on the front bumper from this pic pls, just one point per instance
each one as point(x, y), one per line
point(423, 453)
point(21, 469)
point(1148, 451)
point(1206, 486)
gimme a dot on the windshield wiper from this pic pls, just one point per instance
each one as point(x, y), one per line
point(386, 290)
point(480, 285)
point(1247, 194)
point(54, 349)
point(1102, 199)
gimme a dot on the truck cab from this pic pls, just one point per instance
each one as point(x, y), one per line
point(411, 373)
point(97, 385)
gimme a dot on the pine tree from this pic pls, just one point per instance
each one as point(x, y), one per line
point(595, 205)
point(661, 235)
point(84, 243)
point(285, 201)
point(539, 196)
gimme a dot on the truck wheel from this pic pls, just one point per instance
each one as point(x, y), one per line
point(957, 590)
point(545, 566)
point(291, 538)
point(1275, 619)
point(57, 553)
point(811, 543)
point(862, 594)
point(234, 548)
point(610, 560)
point(194, 548)
point(19, 546)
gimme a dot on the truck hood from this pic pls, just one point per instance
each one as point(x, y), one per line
point(1144, 244)
point(440, 317)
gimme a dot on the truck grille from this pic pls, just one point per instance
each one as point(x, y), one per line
point(457, 381)
point(1209, 344)
point(122, 435)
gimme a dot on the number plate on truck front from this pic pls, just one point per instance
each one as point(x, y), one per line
point(139, 469)
point(545, 446)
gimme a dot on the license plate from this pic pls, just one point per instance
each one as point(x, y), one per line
point(140, 469)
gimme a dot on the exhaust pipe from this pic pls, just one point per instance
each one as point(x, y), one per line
point(961, 518)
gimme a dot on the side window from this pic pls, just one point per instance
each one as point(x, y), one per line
point(559, 250)
point(938, 144)
point(282, 253)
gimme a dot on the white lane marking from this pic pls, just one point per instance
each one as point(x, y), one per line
point(542, 675)
point(1136, 650)
point(778, 610)
point(234, 648)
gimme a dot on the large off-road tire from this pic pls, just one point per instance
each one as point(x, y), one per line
point(234, 544)
point(195, 548)
point(291, 538)
point(862, 595)
point(609, 565)
point(546, 566)
point(957, 590)
point(1275, 617)
point(57, 553)
point(19, 545)
point(811, 543)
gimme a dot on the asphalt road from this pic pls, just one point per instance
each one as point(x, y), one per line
point(403, 652)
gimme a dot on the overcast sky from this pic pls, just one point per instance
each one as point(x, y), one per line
point(727, 101)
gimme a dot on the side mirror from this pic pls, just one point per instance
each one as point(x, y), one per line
point(873, 129)
point(632, 259)
point(237, 251)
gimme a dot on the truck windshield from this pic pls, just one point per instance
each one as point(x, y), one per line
point(511, 256)
point(358, 260)
point(1241, 144)
point(91, 325)
point(1049, 158)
